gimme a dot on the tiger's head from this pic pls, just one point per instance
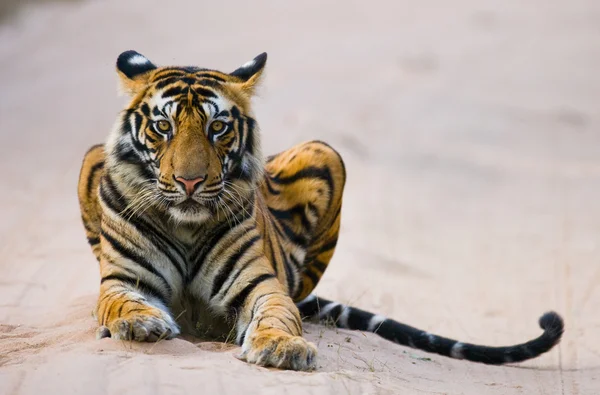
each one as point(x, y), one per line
point(188, 136)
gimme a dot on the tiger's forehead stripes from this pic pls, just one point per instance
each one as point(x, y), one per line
point(184, 93)
point(200, 73)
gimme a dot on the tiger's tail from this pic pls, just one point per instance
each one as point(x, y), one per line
point(348, 317)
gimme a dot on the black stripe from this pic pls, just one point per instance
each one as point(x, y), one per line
point(111, 195)
point(137, 283)
point(270, 187)
point(250, 138)
point(239, 300)
point(333, 315)
point(238, 273)
point(204, 92)
point(206, 245)
point(93, 240)
point(295, 238)
point(328, 246)
point(125, 153)
point(173, 91)
point(307, 172)
point(315, 278)
point(321, 266)
point(137, 121)
point(294, 261)
point(289, 273)
point(162, 242)
point(108, 304)
point(168, 74)
point(298, 210)
point(319, 235)
point(228, 266)
point(289, 330)
point(166, 81)
point(93, 170)
point(310, 309)
point(85, 224)
point(133, 256)
point(145, 109)
point(130, 311)
point(273, 260)
point(210, 76)
point(108, 293)
point(359, 320)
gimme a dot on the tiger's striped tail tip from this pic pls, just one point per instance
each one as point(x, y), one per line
point(553, 326)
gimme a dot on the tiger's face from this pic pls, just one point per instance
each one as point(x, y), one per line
point(188, 136)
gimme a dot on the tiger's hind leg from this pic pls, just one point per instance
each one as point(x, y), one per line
point(92, 170)
point(303, 189)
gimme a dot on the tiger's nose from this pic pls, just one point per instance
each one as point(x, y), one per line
point(190, 185)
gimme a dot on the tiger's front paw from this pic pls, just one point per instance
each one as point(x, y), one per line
point(149, 325)
point(279, 349)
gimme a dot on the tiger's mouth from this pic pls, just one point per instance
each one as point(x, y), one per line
point(191, 211)
point(189, 204)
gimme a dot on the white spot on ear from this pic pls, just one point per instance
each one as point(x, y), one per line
point(248, 64)
point(138, 59)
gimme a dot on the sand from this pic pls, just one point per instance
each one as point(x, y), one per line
point(470, 135)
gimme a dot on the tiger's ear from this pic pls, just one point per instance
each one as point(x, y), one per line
point(134, 71)
point(249, 74)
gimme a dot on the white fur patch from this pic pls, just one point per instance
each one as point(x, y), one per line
point(249, 64)
point(325, 310)
point(188, 217)
point(343, 320)
point(375, 322)
point(457, 351)
point(137, 60)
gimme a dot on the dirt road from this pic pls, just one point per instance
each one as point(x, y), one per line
point(471, 137)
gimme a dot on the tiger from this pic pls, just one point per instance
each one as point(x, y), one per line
point(194, 230)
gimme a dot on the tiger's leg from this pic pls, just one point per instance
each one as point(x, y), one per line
point(91, 172)
point(303, 189)
point(128, 310)
point(133, 299)
point(268, 323)
point(135, 291)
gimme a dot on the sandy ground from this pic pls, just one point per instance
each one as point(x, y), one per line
point(471, 135)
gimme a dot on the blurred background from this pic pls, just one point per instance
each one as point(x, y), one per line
point(470, 131)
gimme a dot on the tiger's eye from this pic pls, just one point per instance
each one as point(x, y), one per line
point(217, 126)
point(163, 126)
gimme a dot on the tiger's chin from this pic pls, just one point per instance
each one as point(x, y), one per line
point(191, 212)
